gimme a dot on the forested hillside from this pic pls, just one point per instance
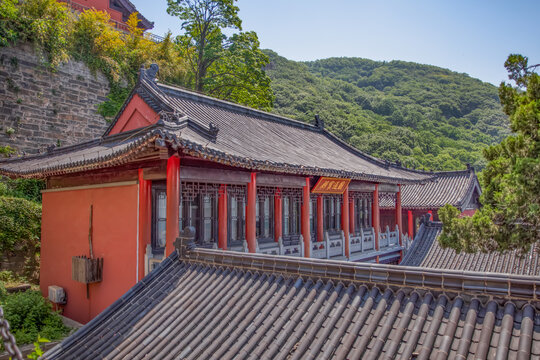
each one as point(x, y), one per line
point(421, 115)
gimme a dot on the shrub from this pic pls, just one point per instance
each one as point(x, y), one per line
point(30, 315)
point(45, 23)
point(29, 189)
point(20, 224)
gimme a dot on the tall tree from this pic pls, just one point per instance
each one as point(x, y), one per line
point(227, 67)
point(510, 217)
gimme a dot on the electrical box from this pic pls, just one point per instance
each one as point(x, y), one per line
point(57, 294)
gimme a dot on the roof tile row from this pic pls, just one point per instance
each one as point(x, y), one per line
point(198, 307)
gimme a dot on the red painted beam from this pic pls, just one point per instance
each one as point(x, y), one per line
point(306, 231)
point(320, 218)
point(222, 217)
point(345, 219)
point(173, 202)
point(278, 216)
point(250, 213)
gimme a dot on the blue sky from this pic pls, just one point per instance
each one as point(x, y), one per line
point(473, 37)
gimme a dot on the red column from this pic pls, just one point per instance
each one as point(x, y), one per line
point(431, 213)
point(376, 217)
point(306, 233)
point(250, 213)
point(410, 223)
point(145, 219)
point(352, 228)
point(173, 202)
point(399, 216)
point(278, 216)
point(222, 217)
point(320, 221)
point(345, 219)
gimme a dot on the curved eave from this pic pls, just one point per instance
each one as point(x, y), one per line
point(202, 152)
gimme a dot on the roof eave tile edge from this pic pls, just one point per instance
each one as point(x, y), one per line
point(203, 152)
point(495, 286)
point(110, 160)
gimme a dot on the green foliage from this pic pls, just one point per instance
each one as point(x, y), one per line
point(45, 23)
point(510, 217)
point(29, 189)
point(20, 224)
point(420, 115)
point(30, 316)
point(116, 98)
point(231, 67)
point(37, 353)
point(7, 151)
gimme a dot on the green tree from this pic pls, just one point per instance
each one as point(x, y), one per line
point(510, 218)
point(229, 67)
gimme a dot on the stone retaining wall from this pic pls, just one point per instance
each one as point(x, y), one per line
point(40, 108)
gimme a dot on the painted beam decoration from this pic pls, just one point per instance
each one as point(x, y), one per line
point(329, 185)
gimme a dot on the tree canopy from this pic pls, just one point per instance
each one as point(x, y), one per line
point(510, 217)
point(423, 116)
point(227, 67)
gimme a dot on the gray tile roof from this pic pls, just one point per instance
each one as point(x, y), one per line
point(210, 304)
point(426, 252)
point(448, 187)
point(235, 135)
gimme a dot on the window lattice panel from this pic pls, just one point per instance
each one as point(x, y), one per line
point(190, 190)
point(387, 197)
point(360, 195)
point(295, 194)
point(238, 191)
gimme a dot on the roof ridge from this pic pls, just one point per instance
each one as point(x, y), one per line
point(186, 93)
point(454, 281)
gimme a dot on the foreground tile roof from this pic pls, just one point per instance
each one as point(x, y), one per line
point(211, 304)
point(448, 187)
point(223, 132)
point(426, 252)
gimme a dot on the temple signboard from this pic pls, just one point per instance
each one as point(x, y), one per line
point(329, 185)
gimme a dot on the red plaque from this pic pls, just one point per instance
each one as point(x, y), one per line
point(328, 185)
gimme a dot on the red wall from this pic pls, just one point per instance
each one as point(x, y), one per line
point(136, 115)
point(64, 233)
point(102, 5)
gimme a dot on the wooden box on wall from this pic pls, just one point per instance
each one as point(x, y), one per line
point(86, 270)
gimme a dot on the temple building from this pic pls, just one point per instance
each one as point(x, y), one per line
point(212, 304)
point(426, 252)
point(118, 10)
point(457, 188)
point(246, 180)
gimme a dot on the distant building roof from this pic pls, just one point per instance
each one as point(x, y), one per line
point(223, 132)
point(211, 304)
point(426, 252)
point(130, 8)
point(456, 188)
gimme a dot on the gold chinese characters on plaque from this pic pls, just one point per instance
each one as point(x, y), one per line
point(328, 185)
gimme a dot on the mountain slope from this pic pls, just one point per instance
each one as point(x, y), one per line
point(422, 115)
